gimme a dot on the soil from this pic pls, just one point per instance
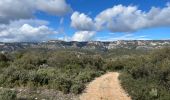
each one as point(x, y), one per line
point(106, 87)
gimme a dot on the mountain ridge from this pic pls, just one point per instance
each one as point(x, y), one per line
point(94, 45)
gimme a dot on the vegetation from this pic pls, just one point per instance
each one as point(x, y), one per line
point(8, 95)
point(66, 71)
point(145, 75)
point(148, 77)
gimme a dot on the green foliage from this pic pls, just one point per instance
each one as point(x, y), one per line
point(77, 88)
point(66, 71)
point(63, 84)
point(3, 61)
point(3, 57)
point(8, 95)
point(145, 75)
point(114, 65)
point(148, 77)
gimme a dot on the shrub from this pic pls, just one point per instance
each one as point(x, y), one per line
point(63, 85)
point(8, 95)
point(77, 88)
point(64, 70)
point(3, 57)
point(148, 77)
point(114, 65)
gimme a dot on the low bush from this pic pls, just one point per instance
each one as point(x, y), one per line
point(8, 95)
point(148, 77)
point(66, 71)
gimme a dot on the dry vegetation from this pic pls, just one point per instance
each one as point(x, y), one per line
point(145, 75)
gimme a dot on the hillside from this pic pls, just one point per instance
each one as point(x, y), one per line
point(40, 73)
point(93, 45)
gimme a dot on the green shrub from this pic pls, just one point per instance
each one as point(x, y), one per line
point(63, 85)
point(148, 77)
point(3, 57)
point(8, 95)
point(77, 88)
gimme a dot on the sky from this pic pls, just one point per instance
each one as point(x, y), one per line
point(84, 20)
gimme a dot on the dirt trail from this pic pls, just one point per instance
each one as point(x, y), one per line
point(106, 87)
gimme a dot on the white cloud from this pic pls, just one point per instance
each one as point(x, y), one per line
point(33, 22)
point(55, 7)
point(19, 31)
point(85, 26)
point(15, 9)
point(122, 19)
point(25, 9)
point(123, 37)
point(82, 22)
point(83, 36)
point(127, 19)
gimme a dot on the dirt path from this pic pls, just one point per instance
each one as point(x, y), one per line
point(106, 87)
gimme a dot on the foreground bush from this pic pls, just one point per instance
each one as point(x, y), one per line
point(8, 95)
point(66, 71)
point(148, 77)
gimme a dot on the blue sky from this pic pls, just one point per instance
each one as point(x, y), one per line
point(84, 20)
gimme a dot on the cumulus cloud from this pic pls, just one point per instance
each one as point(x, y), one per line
point(83, 36)
point(82, 22)
point(85, 26)
point(55, 7)
point(122, 19)
point(33, 22)
point(15, 9)
point(25, 9)
point(17, 21)
point(22, 31)
point(129, 18)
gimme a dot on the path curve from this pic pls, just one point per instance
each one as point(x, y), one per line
point(106, 87)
